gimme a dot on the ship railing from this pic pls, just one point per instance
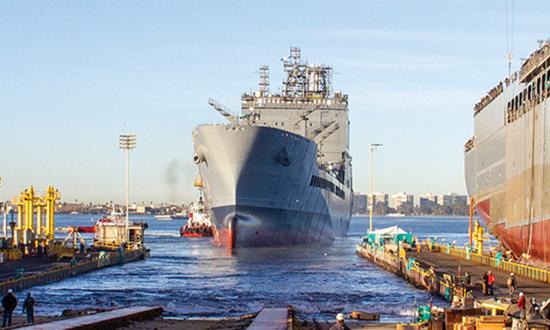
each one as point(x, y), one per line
point(534, 62)
point(528, 271)
point(469, 145)
point(488, 98)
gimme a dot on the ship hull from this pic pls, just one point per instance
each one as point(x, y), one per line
point(507, 170)
point(521, 238)
point(258, 186)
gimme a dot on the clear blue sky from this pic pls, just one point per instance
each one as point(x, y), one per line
point(75, 74)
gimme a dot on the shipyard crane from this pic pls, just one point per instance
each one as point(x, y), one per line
point(223, 111)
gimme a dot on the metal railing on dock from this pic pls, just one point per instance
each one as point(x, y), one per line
point(528, 271)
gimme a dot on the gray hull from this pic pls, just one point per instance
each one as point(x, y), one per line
point(262, 186)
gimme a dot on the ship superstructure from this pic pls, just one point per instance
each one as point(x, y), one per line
point(507, 161)
point(281, 172)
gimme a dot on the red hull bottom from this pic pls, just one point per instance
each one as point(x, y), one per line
point(534, 241)
point(195, 235)
point(517, 240)
point(186, 231)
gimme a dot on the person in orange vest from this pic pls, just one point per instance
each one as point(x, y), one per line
point(490, 281)
point(521, 305)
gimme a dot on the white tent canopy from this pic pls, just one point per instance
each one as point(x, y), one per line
point(389, 231)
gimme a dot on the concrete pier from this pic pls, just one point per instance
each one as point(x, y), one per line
point(447, 264)
point(58, 271)
point(417, 272)
point(442, 274)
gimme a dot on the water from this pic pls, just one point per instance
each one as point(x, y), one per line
point(191, 277)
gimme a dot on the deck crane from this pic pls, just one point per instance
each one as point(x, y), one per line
point(223, 111)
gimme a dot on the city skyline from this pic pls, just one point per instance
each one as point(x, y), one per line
point(76, 75)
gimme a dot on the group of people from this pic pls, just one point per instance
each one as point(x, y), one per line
point(512, 285)
point(9, 303)
point(489, 281)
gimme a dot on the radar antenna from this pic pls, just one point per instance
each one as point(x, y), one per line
point(264, 80)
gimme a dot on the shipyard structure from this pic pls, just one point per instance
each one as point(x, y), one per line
point(280, 173)
point(507, 161)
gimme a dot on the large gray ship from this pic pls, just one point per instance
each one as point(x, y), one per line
point(280, 173)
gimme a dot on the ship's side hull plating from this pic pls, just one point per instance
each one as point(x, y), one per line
point(508, 174)
point(258, 183)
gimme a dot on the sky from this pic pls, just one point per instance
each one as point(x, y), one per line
point(76, 74)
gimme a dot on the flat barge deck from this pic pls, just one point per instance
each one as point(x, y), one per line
point(48, 272)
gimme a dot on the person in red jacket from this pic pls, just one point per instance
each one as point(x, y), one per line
point(521, 305)
point(490, 281)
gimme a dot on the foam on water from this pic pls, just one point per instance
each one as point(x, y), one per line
point(191, 277)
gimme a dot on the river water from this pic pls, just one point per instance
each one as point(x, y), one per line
point(192, 277)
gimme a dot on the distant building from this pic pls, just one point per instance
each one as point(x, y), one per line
point(428, 200)
point(400, 199)
point(362, 202)
point(360, 205)
point(445, 200)
point(381, 202)
point(452, 199)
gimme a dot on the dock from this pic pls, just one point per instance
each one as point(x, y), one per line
point(271, 319)
point(106, 320)
point(58, 271)
point(32, 255)
point(448, 264)
point(439, 269)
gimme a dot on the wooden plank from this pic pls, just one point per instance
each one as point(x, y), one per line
point(270, 319)
point(101, 320)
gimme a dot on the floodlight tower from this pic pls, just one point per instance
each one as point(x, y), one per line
point(127, 142)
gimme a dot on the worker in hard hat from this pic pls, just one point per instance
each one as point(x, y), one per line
point(340, 323)
point(9, 302)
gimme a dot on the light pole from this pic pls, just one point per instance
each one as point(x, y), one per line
point(7, 210)
point(4, 208)
point(127, 142)
point(373, 147)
